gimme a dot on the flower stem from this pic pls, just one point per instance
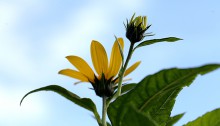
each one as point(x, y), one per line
point(104, 110)
point(122, 71)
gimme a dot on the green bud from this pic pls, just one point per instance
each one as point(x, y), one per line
point(135, 29)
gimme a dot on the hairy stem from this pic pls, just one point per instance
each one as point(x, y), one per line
point(104, 111)
point(122, 71)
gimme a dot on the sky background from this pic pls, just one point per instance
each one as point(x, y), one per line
point(36, 35)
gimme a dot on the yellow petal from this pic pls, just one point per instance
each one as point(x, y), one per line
point(74, 74)
point(129, 70)
point(99, 57)
point(132, 68)
point(82, 66)
point(116, 59)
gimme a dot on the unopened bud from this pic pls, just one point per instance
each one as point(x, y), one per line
point(135, 28)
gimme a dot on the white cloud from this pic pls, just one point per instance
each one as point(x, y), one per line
point(11, 112)
point(8, 13)
point(16, 67)
point(85, 24)
point(14, 49)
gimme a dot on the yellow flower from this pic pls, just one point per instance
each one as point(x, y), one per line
point(105, 78)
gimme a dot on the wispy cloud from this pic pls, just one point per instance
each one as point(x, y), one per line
point(24, 62)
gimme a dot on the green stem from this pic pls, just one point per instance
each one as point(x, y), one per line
point(122, 71)
point(104, 110)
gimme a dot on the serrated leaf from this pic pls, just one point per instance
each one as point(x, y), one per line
point(209, 119)
point(174, 119)
point(156, 94)
point(152, 41)
point(129, 116)
point(83, 102)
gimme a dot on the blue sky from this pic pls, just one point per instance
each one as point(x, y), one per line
point(36, 35)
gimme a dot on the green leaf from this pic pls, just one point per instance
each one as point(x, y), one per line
point(152, 41)
point(129, 116)
point(209, 119)
point(156, 94)
point(174, 119)
point(127, 87)
point(83, 102)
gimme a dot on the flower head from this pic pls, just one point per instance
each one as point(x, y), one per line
point(105, 78)
point(136, 28)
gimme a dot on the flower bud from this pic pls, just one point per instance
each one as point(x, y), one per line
point(135, 28)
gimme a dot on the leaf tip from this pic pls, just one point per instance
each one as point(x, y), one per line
point(21, 101)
